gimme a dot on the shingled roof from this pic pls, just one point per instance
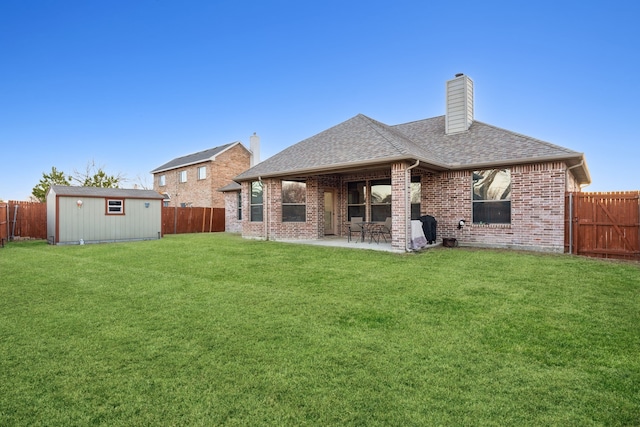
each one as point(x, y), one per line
point(191, 159)
point(127, 193)
point(362, 141)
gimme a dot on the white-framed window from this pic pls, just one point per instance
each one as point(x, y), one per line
point(492, 196)
point(202, 172)
point(115, 206)
point(356, 196)
point(380, 199)
point(183, 176)
point(294, 201)
point(256, 201)
point(162, 180)
point(416, 195)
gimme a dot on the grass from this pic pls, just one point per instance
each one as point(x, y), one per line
point(210, 329)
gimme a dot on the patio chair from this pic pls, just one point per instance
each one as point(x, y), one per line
point(355, 227)
point(385, 230)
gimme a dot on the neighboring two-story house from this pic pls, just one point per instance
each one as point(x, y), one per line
point(194, 179)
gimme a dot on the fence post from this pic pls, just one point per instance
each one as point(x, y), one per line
point(15, 218)
point(571, 223)
point(175, 220)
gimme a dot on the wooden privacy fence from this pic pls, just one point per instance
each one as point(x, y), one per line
point(177, 220)
point(4, 220)
point(23, 220)
point(604, 225)
point(29, 220)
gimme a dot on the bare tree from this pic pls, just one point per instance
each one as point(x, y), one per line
point(95, 176)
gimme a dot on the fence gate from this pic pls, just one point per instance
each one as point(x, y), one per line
point(604, 225)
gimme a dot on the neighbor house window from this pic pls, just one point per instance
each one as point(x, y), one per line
point(202, 172)
point(416, 196)
point(294, 199)
point(380, 199)
point(162, 180)
point(356, 193)
point(492, 196)
point(256, 201)
point(239, 205)
point(115, 207)
point(183, 176)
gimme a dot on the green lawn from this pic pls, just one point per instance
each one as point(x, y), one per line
point(211, 329)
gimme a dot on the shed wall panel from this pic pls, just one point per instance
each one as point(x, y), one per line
point(91, 223)
point(51, 217)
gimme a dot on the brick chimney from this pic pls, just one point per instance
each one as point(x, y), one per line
point(254, 147)
point(459, 114)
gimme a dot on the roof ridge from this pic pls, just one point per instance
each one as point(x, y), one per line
point(205, 150)
point(401, 150)
point(194, 158)
point(419, 120)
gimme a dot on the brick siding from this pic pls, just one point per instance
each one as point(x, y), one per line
point(537, 207)
point(231, 222)
point(204, 192)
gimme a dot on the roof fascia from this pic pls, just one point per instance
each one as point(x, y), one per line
point(342, 167)
point(579, 157)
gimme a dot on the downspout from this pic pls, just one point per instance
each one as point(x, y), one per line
point(566, 180)
point(407, 186)
point(265, 211)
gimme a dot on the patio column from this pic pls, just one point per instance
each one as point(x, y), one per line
point(400, 205)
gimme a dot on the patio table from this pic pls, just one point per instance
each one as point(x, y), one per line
point(372, 229)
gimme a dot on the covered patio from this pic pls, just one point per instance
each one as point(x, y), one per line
point(343, 242)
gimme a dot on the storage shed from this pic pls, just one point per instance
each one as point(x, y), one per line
point(79, 215)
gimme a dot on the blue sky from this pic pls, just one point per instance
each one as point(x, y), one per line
point(132, 84)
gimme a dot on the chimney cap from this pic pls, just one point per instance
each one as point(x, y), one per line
point(459, 74)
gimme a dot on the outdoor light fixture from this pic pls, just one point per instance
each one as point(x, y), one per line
point(460, 224)
point(79, 203)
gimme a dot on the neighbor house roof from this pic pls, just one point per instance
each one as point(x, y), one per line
point(199, 157)
point(232, 186)
point(364, 142)
point(127, 193)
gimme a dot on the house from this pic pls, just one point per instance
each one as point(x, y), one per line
point(193, 180)
point(508, 188)
point(79, 215)
point(232, 207)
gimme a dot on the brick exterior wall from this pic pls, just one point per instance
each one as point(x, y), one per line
point(231, 222)
point(537, 207)
point(400, 206)
point(311, 228)
point(250, 229)
point(204, 192)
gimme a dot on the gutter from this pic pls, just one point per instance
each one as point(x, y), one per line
point(566, 174)
point(437, 166)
